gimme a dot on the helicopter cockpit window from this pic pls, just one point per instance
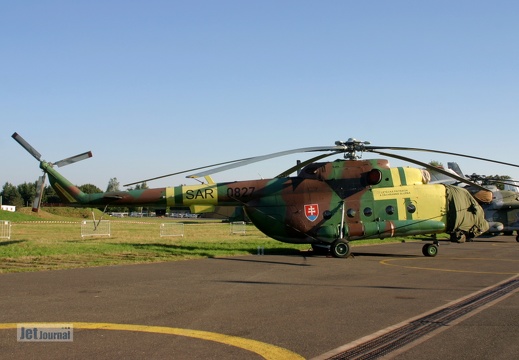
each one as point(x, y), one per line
point(411, 208)
point(368, 211)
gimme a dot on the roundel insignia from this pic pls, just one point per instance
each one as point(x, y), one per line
point(312, 211)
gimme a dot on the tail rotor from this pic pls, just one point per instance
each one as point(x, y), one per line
point(20, 140)
point(40, 184)
point(73, 159)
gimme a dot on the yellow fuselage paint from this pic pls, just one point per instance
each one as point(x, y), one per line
point(65, 193)
point(406, 176)
point(204, 195)
point(408, 188)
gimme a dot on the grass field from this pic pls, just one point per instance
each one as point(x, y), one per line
point(52, 240)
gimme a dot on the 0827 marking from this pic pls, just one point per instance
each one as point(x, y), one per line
point(239, 192)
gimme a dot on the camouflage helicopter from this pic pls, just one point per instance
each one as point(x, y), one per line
point(501, 207)
point(502, 213)
point(327, 204)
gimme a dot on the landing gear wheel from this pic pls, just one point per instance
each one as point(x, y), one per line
point(430, 250)
point(340, 249)
point(517, 238)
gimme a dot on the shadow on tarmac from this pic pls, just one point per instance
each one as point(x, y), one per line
point(175, 249)
point(258, 260)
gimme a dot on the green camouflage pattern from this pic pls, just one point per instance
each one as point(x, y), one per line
point(326, 201)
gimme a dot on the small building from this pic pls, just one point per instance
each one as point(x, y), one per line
point(9, 208)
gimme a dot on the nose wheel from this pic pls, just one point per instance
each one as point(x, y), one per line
point(430, 250)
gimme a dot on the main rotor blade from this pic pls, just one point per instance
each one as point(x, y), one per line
point(493, 181)
point(20, 140)
point(185, 171)
point(504, 183)
point(303, 164)
point(266, 157)
point(349, 148)
point(73, 159)
point(430, 167)
point(372, 148)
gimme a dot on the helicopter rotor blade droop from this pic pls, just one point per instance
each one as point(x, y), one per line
point(227, 165)
point(248, 161)
point(396, 148)
point(431, 167)
point(351, 149)
point(183, 172)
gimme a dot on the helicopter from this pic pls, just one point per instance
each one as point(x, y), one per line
point(327, 204)
point(502, 213)
point(502, 208)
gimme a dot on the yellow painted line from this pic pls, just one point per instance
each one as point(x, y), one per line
point(387, 262)
point(265, 350)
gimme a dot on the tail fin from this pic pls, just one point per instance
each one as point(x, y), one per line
point(456, 168)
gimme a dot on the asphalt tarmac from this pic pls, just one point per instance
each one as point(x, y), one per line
point(276, 306)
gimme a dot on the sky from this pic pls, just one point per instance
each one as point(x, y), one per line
point(155, 87)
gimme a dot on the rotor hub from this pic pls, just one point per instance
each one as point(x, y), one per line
point(353, 148)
